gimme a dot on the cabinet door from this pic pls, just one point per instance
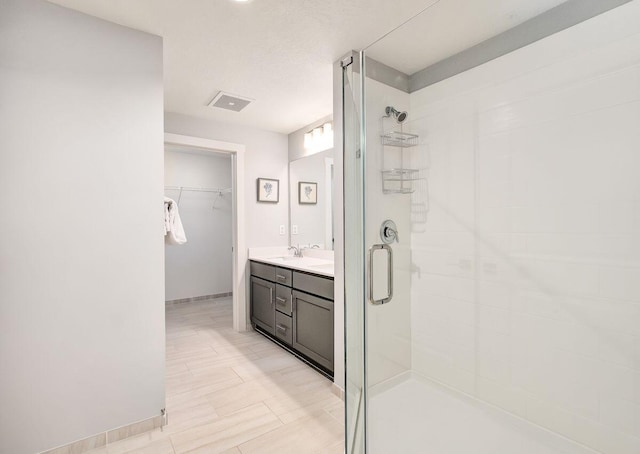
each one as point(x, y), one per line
point(263, 312)
point(313, 328)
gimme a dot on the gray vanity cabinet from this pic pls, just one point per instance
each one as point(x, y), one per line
point(296, 309)
point(313, 328)
point(262, 304)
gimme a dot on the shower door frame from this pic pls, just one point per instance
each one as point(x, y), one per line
point(352, 163)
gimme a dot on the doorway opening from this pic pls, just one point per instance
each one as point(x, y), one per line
point(188, 156)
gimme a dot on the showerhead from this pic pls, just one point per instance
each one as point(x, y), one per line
point(399, 116)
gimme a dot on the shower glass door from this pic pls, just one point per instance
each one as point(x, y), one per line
point(501, 313)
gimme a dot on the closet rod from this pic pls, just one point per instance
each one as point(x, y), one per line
point(186, 188)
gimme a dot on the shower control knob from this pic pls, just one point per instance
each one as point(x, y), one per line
point(389, 232)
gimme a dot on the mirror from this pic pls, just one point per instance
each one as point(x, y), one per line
point(311, 200)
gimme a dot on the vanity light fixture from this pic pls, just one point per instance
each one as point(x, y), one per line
point(319, 138)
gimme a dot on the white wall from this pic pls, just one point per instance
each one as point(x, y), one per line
point(266, 156)
point(526, 288)
point(203, 265)
point(81, 252)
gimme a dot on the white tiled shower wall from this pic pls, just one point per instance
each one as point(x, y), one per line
point(525, 287)
point(389, 325)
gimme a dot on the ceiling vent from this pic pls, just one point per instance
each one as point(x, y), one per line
point(230, 102)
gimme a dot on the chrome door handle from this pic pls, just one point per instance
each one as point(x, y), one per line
point(281, 277)
point(281, 328)
point(280, 300)
point(389, 251)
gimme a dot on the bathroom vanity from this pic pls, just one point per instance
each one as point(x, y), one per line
point(292, 304)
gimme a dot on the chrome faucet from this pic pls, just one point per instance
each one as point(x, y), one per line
point(297, 252)
point(314, 246)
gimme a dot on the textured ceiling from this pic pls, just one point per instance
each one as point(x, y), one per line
point(449, 27)
point(280, 52)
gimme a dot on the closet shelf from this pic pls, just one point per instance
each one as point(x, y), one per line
point(399, 139)
point(187, 188)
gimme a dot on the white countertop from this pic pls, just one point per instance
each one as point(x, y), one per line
point(312, 262)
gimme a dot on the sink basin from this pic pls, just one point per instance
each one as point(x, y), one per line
point(322, 266)
point(302, 261)
point(312, 261)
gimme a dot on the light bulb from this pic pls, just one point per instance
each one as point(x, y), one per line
point(308, 140)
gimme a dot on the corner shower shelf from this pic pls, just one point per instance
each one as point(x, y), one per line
point(399, 139)
point(399, 181)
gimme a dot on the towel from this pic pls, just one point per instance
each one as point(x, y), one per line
point(173, 230)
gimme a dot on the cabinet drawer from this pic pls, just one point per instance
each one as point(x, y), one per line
point(284, 328)
point(283, 299)
point(263, 270)
point(283, 276)
point(314, 285)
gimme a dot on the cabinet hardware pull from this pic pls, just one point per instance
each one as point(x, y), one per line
point(282, 328)
point(280, 300)
point(281, 277)
point(389, 251)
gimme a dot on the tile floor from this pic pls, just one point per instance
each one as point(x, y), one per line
point(237, 393)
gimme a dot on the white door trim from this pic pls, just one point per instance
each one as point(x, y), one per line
point(236, 150)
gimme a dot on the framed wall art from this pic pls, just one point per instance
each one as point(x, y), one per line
point(268, 190)
point(307, 193)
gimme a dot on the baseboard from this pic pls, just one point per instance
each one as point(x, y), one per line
point(338, 391)
point(198, 298)
point(110, 436)
point(137, 428)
